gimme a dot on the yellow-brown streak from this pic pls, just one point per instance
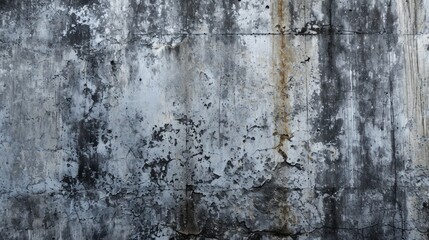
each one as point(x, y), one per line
point(282, 57)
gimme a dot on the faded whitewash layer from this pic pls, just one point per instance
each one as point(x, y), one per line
point(224, 120)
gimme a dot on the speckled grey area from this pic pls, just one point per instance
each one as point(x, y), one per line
point(233, 119)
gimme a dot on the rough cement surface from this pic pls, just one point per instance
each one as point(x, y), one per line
point(233, 119)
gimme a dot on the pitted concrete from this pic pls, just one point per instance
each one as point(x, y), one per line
point(235, 119)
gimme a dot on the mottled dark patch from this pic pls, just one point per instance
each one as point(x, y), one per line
point(210, 7)
point(328, 128)
point(8, 5)
point(332, 208)
point(157, 134)
point(99, 234)
point(113, 66)
point(158, 168)
point(154, 14)
point(348, 18)
point(366, 86)
point(293, 14)
point(229, 24)
point(255, 236)
point(197, 11)
point(78, 36)
point(88, 159)
point(68, 184)
point(29, 212)
point(188, 224)
point(192, 15)
point(370, 176)
point(362, 52)
point(80, 3)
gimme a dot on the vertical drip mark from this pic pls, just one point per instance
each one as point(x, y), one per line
point(395, 160)
point(281, 69)
point(351, 115)
point(306, 72)
point(189, 224)
point(219, 114)
point(281, 72)
point(415, 18)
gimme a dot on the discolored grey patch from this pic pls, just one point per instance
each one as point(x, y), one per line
point(80, 3)
point(78, 36)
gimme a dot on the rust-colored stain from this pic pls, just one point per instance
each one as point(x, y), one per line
point(282, 57)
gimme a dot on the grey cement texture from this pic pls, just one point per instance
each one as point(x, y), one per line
point(232, 119)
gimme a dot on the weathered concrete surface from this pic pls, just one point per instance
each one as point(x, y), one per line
point(239, 119)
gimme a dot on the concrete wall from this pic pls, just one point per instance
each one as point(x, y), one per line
point(233, 119)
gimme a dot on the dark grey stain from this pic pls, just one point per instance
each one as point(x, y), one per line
point(7, 5)
point(370, 90)
point(328, 127)
point(229, 23)
point(80, 3)
point(89, 130)
point(88, 159)
point(78, 36)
